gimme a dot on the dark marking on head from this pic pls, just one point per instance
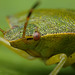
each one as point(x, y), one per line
point(71, 56)
point(29, 38)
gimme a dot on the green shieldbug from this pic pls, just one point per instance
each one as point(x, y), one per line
point(49, 35)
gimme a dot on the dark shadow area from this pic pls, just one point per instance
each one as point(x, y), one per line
point(11, 68)
point(16, 69)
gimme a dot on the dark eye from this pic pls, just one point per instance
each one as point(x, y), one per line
point(36, 36)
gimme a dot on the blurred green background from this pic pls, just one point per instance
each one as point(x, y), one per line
point(10, 62)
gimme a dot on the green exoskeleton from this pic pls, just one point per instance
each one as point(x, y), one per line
point(49, 35)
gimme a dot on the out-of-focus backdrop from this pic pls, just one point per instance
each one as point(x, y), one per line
point(10, 62)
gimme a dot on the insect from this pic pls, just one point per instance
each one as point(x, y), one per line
point(49, 35)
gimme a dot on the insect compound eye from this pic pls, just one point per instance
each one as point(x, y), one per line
point(36, 36)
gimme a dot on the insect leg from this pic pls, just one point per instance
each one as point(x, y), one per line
point(18, 51)
point(70, 60)
point(61, 58)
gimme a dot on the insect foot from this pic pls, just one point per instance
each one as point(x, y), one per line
point(61, 58)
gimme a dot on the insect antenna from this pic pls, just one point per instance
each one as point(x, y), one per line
point(27, 19)
point(2, 31)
